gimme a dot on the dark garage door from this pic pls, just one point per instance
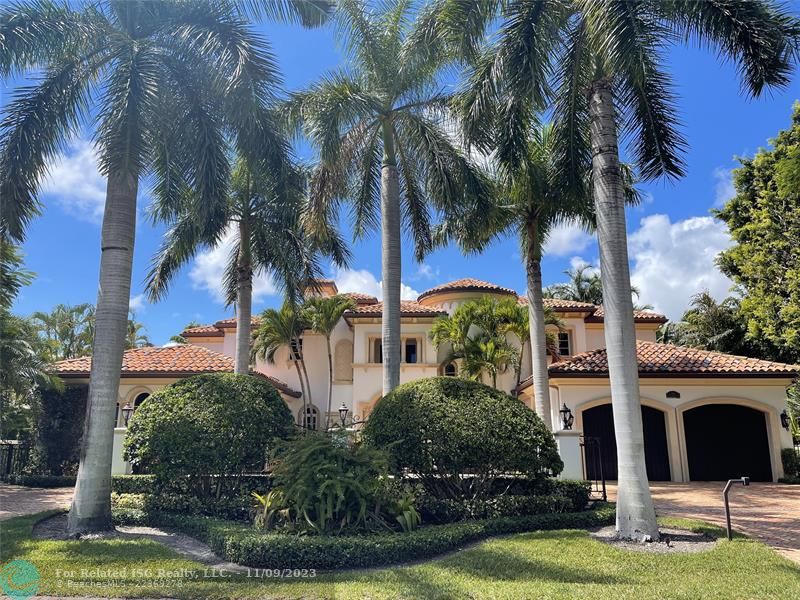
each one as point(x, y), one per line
point(598, 422)
point(724, 441)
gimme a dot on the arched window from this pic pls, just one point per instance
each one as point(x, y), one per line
point(311, 420)
point(343, 361)
point(450, 370)
point(139, 399)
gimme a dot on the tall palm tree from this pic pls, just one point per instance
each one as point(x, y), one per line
point(601, 61)
point(66, 330)
point(168, 84)
point(384, 142)
point(279, 329)
point(323, 315)
point(586, 285)
point(264, 213)
point(136, 336)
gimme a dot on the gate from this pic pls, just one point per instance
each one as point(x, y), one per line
point(13, 458)
point(592, 458)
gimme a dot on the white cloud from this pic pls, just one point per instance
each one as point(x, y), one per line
point(137, 303)
point(567, 239)
point(673, 261)
point(723, 186)
point(364, 282)
point(76, 184)
point(425, 271)
point(577, 262)
point(208, 272)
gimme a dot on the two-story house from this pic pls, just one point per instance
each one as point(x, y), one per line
point(706, 415)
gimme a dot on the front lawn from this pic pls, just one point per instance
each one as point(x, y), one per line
point(549, 564)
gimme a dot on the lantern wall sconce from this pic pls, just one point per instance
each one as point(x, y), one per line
point(566, 417)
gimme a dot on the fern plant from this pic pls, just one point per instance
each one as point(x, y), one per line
point(327, 486)
point(270, 506)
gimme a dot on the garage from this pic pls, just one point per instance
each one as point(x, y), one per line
point(598, 423)
point(725, 441)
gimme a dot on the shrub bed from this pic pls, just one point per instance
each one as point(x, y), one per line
point(41, 481)
point(439, 510)
point(242, 545)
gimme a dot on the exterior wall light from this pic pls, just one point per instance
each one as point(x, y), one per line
point(127, 411)
point(785, 420)
point(343, 410)
point(566, 417)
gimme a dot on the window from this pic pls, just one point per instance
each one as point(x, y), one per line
point(411, 350)
point(139, 399)
point(377, 351)
point(311, 420)
point(450, 370)
point(297, 348)
point(564, 346)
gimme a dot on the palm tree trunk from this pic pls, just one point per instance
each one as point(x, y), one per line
point(330, 382)
point(635, 513)
point(91, 504)
point(244, 299)
point(308, 382)
point(302, 388)
point(520, 362)
point(533, 269)
point(390, 262)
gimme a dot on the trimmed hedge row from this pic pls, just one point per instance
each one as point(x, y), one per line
point(245, 546)
point(41, 481)
point(436, 510)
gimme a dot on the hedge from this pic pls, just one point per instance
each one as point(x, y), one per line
point(245, 546)
point(41, 481)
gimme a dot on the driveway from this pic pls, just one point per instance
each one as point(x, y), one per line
point(769, 512)
point(16, 500)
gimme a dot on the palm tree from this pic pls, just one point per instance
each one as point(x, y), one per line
point(264, 214)
point(384, 142)
point(601, 61)
point(283, 328)
point(711, 325)
point(323, 314)
point(169, 85)
point(66, 330)
point(587, 287)
point(136, 336)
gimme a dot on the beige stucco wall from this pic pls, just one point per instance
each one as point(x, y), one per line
point(766, 395)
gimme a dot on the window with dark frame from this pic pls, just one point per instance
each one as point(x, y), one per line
point(564, 345)
point(411, 350)
point(297, 348)
point(377, 351)
point(450, 370)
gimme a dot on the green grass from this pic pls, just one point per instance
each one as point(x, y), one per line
point(548, 564)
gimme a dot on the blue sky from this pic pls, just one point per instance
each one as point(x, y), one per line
point(673, 240)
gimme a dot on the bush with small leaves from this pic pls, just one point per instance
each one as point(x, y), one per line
point(207, 425)
point(442, 429)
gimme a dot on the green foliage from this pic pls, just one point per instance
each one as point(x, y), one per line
point(270, 505)
point(134, 484)
point(243, 545)
point(41, 481)
point(791, 462)
point(58, 430)
point(764, 221)
point(214, 424)
point(329, 485)
point(443, 427)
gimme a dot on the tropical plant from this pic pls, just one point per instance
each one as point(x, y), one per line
point(136, 336)
point(262, 222)
point(13, 274)
point(207, 425)
point(712, 325)
point(270, 507)
point(457, 437)
point(170, 86)
point(764, 220)
point(584, 285)
point(602, 62)
point(279, 329)
point(66, 330)
point(385, 143)
point(328, 484)
point(323, 315)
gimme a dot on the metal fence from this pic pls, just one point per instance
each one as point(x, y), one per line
point(13, 458)
point(593, 467)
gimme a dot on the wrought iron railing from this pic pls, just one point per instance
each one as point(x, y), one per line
point(13, 458)
point(592, 454)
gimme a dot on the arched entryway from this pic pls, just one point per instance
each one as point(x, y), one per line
point(725, 441)
point(598, 422)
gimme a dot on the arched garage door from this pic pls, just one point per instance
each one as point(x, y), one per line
point(598, 422)
point(724, 441)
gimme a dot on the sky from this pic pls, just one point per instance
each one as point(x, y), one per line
point(673, 239)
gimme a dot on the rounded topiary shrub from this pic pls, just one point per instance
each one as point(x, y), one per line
point(457, 436)
point(215, 424)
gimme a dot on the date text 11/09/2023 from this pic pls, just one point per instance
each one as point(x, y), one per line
point(207, 573)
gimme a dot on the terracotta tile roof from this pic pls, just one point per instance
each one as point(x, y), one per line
point(407, 309)
point(657, 359)
point(467, 285)
point(640, 316)
point(169, 361)
point(360, 298)
point(559, 305)
point(203, 331)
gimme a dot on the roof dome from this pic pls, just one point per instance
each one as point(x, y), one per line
point(467, 286)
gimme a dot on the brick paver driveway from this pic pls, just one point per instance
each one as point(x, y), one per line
point(16, 500)
point(769, 512)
